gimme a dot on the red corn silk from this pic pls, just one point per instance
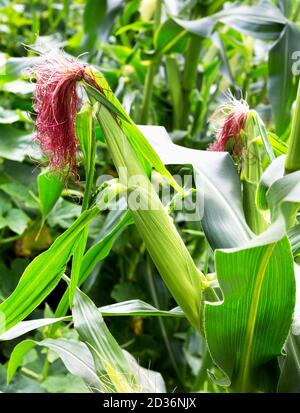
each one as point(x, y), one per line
point(232, 124)
point(56, 103)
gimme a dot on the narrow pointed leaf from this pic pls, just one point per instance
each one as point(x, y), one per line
point(42, 274)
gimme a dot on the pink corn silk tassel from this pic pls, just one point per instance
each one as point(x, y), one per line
point(56, 103)
point(231, 126)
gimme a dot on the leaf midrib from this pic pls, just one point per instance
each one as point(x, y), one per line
point(242, 382)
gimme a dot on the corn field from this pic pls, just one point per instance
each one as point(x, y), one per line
point(149, 196)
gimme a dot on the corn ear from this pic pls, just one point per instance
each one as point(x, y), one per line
point(251, 173)
point(292, 162)
point(165, 246)
point(141, 147)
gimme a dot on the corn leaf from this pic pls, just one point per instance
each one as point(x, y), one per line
point(289, 381)
point(115, 222)
point(138, 308)
point(284, 198)
point(139, 143)
point(125, 308)
point(94, 332)
point(42, 275)
point(294, 237)
point(282, 86)
point(50, 186)
point(84, 133)
point(274, 172)
point(246, 332)
point(75, 356)
point(117, 369)
point(263, 21)
point(278, 193)
point(220, 206)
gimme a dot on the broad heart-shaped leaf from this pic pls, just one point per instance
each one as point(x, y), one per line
point(218, 185)
point(42, 275)
point(282, 84)
point(75, 356)
point(246, 332)
point(50, 185)
point(263, 21)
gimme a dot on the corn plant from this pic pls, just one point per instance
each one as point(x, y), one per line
point(222, 278)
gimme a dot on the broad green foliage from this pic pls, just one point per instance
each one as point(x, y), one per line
point(243, 332)
point(217, 181)
point(92, 289)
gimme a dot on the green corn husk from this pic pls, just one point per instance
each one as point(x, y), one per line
point(292, 162)
point(163, 242)
point(155, 226)
point(251, 175)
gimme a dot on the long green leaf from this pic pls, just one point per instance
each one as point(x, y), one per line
point(263, 21)
point(290, 375)
point(75, 356)
point(138, 308)
point(115, 222)
point(278, 193)
point(144, 151)
point(117, 369)
point(274, 172)
point(284, 198)
point(246, 332)
point(125, 308)
point(42, 274)
point(99, 16)
point(294, 237)
point(93, 331)
point(220, 206)
point(17, 356)
point(282, 86)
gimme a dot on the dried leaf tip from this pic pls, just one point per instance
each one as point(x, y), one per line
point(229, 121)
